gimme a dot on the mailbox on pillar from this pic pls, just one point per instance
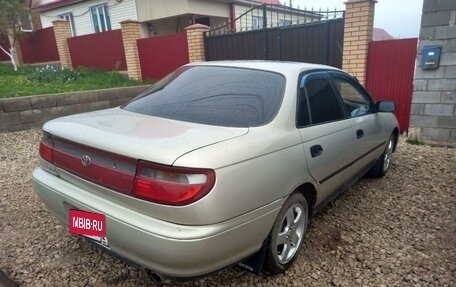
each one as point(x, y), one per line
point(430, 57)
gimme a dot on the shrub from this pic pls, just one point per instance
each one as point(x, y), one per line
point(50, 74)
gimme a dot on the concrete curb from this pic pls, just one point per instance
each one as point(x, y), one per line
point(32, 111)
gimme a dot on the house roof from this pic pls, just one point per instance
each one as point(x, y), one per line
point(45, 5)
point(380, 35)
point(274, 2)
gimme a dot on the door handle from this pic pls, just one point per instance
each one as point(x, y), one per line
point(359, 134)
point(316, 150)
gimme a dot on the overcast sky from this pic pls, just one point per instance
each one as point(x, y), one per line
point(400, 18)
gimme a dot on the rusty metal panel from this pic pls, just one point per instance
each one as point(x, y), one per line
point(390, 71)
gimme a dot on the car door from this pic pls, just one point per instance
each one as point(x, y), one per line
point(360, 109)
point(327, 134)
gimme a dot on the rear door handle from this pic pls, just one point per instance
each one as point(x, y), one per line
point(316, 150)
point(359, 134)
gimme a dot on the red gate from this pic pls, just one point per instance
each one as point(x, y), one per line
point(390, 70)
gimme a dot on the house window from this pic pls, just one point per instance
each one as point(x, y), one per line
point(100, 18)
point(257, 22)
point(69, 17)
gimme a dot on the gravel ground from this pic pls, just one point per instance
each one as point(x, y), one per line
point(395, 231)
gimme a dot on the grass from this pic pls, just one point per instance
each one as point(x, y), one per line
point(24, 82)
point(414, 140)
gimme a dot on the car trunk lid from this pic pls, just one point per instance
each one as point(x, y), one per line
point(137, 136)
point(106, 147)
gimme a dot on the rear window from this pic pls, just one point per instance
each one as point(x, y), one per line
point(220, 96)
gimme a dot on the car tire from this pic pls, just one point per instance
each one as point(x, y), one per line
point(287, 235)
point(384, 162)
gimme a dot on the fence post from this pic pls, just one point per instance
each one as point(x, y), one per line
point(358, 29)
point(265, 34)
point(131, 31)
point(17, 47)
point(195, 40)
point(265, 18)
point(62, 32)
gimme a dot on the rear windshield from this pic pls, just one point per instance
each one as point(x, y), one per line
point(220, 96)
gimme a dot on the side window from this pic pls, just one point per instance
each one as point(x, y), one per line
point(302, 117)
point(356, 104)
point(323, 101)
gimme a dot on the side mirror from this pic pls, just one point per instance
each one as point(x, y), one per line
point(385, 106)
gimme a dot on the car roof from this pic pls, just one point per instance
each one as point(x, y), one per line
point(274, 66)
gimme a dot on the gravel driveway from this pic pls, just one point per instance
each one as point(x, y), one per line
point(395, 231)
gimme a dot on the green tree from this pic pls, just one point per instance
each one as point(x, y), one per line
point(12, 14)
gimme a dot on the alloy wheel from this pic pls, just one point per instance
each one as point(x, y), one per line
point(388, 155)
point(290, 233)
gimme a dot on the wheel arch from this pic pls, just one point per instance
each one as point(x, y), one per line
point(309, 191)
point(396, 137)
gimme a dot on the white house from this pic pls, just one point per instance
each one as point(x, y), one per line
point(161, 17)
point(158, 17)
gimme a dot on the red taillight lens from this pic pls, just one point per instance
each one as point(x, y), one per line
point(47, 147)
point(172, 185)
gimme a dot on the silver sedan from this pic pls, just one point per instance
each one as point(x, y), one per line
point(219, 163)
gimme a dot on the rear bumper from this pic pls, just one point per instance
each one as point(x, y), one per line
point(166, 248)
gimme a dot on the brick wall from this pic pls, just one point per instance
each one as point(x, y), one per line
point(195, 40)
point(29, 112)
point(433, 111)
point(62, 32)
point(358, 30)
point(131, 31)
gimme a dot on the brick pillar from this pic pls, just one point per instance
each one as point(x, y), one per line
point(36, 20)
point(195, 40)
point(131, 31)
point(17, 47)
point(62, 31)
point(358, 30)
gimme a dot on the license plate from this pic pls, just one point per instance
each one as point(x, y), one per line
point(87, 223)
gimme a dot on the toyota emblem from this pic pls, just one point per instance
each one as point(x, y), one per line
point(86, 160)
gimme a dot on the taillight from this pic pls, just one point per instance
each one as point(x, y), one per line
point(172, 185)
point(47, 147)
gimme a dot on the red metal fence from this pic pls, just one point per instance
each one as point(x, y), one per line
point(5, 45)
point(39, 46)
point(98, 51)
point(390, 70)
point(161, 55)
